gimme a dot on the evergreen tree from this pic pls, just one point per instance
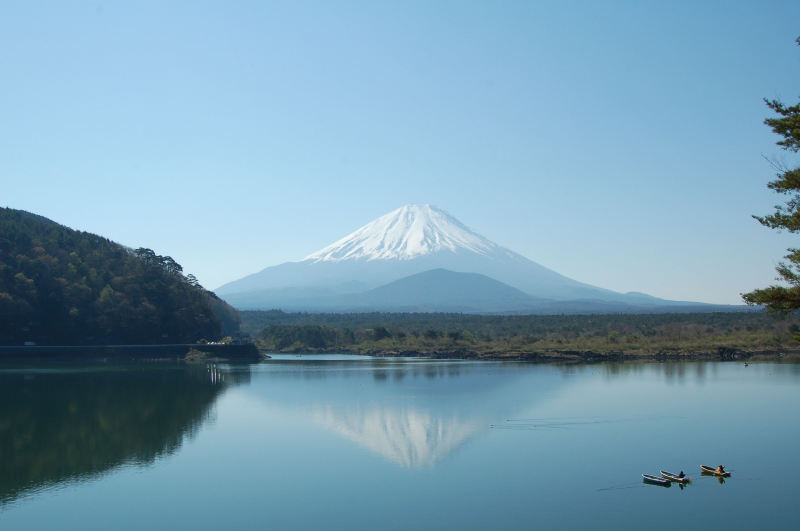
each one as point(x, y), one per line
point(784, 299)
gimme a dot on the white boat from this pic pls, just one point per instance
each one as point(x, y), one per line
point(676, 478)
point(655, 480)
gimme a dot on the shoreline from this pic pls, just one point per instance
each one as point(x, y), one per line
point(250, 352)
point(245, 352)
point(569, 356)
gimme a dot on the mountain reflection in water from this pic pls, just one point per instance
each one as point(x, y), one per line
point(60, 425)
point(412, 438)
point(413, 413)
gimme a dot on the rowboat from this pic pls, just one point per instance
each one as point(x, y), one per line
point(655, 480)
point(675, 477)
point(713, 471)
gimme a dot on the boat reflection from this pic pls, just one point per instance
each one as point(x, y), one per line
point(721, 479)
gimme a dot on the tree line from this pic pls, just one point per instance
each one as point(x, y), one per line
point(440, 332)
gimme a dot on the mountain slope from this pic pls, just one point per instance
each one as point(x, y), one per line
point(440, 290)
point(408, 241)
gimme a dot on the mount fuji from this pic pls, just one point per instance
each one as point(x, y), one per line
point(422, 249)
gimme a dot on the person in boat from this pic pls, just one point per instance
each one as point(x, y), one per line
point(681, 474)
point(720, 469)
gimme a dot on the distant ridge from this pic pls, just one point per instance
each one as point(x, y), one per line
point(440, 290)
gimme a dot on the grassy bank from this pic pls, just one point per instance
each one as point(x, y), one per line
point(579, 338)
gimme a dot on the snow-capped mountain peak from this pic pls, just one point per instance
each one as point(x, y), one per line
point(419, 258)
point(409, 232)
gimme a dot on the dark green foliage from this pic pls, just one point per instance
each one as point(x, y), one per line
point(455, 335)
point(431, 334)
point(380, 332)
point(490, 327)
point(317, 337)
point(60, 286)
point(784, 299)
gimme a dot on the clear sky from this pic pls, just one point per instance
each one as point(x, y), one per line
point(618, 143)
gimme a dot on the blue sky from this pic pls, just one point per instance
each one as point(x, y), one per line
point(618, 143)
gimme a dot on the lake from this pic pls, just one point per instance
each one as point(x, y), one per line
point(346, 442)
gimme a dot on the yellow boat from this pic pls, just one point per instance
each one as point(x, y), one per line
point(719, 471)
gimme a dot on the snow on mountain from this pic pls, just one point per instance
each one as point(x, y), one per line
point(409, 232)
point(404, 242)
point(408, 241)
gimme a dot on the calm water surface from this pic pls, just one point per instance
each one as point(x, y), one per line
point(327, 442)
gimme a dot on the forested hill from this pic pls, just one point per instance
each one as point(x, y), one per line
point(59, 286)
